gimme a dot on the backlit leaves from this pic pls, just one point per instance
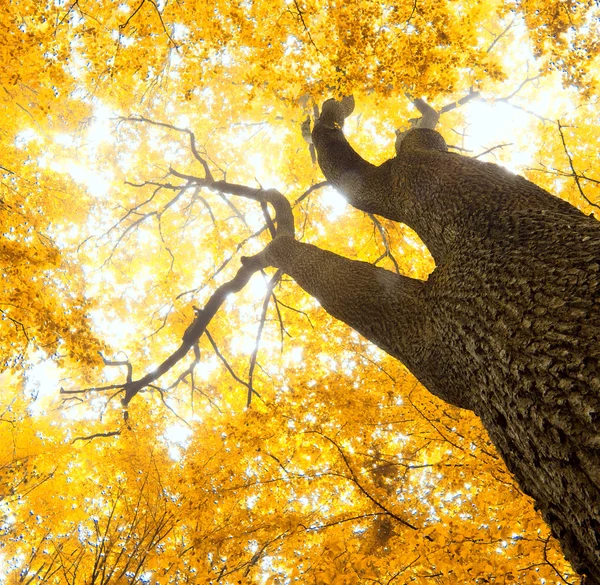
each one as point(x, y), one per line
point(343, 470)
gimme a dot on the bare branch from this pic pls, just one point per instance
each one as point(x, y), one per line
point(487, 151)
point(283, 209)
point(519, 88)
point(190, 338)
point(574, 172)
point(125, 363)
point(310, 190)
point(96, 436)
point(285, 226)
point(359, 485)
point(386, 244)
point(226, 363)
point(499, 36)
point(126, 23)
point(192, 136)
point(301, 15)
point(463, 100)
point(261, 325)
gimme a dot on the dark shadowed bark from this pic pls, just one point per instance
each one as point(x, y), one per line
point(507, 325)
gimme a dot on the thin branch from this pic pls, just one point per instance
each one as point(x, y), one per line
point(261, 325)
point(359, 486)
point(386, 244)
point(161, 392)
point(463, 100)
point(96, 436)
point(283, 331)
point(498, 37)
point(190, 338)
point(125, 363)
point(558, 173)
point(574, 175)
point(126, 23)
point(16, 323)
point(285, 226)
point(492, 149)
point(344, 520)
point(192, 136)
point(296, 311)
point(310, 190)
point(560, 576)
point(519, 88)
point(301, 15)
point(225, 362)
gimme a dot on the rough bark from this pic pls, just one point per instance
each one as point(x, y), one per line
point(507, 325)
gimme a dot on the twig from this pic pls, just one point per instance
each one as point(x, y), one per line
point(310, 190)
point(560, 576)
point(192, 136)
point(574, 175)
point(463, 100)
point(386, 244)
point(126, 23)
point(492, 149)
point(225, 362)
point(301, 15)
point(358, 484)
point(96, 436)
point(519, 88)
point(261, 325)
point(498, 37)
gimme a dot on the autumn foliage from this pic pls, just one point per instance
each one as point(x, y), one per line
point(283, 448)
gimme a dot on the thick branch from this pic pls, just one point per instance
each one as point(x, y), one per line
point(283, 209)
point(193, 332)
point(375, 302)
point(364, 184)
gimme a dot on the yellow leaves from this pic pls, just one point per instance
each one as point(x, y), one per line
point(310, 482)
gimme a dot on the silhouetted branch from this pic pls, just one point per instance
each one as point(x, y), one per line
point(226, 363)
point(500, 35)
point(285, 225)
point(190, 338)
point(310, 190)
point(460, 102)
point(359, 485)
point(124, 25)
point(282, 328)
point(386, 243)
point(125, 363)
point(487, 151)
point(574, 172)
point(261, 325)
point(301, 15)
point(192, 136)
point(96, 436)
point(296, 311)
point(519, 88)
point(558, 573)
point(16, 323)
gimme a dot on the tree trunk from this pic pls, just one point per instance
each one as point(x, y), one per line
point(507, 325)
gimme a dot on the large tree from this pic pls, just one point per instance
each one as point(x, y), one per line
point(508, 323)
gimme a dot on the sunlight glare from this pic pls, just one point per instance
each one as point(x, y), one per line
point(42, 383)
point(493, 124)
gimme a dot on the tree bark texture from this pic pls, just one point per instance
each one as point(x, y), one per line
point(507, 325)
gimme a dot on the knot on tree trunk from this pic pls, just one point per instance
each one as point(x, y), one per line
point(334, 112)
point(419, 139)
